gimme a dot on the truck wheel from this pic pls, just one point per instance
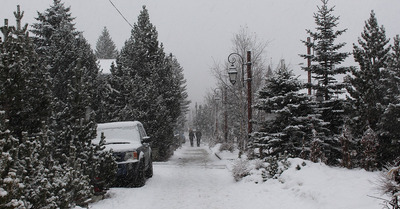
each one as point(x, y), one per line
point(140, 178)
point(149, 171)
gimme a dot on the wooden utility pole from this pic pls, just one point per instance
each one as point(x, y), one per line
point(225, 93)
point(249, 97)
point(309, 64)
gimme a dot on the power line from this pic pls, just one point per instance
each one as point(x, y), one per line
point(121, 14)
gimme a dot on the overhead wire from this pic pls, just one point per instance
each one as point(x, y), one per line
point(121, 14)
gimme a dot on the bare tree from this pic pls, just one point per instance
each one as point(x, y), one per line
point(235, 96)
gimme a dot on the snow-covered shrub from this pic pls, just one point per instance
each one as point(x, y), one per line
point(390, 185)
point(227, 146)
point(241, 168)
point(275, 167)
point(369, 144)
point(258, 164)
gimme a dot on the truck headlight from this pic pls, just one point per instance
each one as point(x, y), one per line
point(131, 156)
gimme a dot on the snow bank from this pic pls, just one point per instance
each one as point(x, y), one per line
point(316, 185)
point(190, 184)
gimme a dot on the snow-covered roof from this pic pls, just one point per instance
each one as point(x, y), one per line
point(122, 124)
point(119, 133)
point(105, 65)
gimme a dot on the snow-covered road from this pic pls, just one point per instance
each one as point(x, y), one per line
point(192, 178)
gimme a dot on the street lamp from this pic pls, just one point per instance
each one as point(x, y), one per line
point(232, 72)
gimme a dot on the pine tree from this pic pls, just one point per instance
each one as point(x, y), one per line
point(145, 86)
point(26, 153)
point(105, 47)
point(20, 79)
point(368, 89)
point(389, 133)
point(325, 67)
point(327, 57)
point(105, 98)
point(287, 120)
point(11, 186)
point(73, 70)
point(181, 88)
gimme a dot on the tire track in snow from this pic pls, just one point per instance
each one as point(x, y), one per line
point(192, 178)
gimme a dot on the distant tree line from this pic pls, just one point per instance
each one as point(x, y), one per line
point(52, 95)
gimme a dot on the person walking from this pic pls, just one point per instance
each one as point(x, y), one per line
point(191, 136)
point(198, 137)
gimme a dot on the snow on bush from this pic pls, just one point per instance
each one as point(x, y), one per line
point(390, 185)
point(275, 167)
point(227, 147)
point(241, 168)
point(260, 170)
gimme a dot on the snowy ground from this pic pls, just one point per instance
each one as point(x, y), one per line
point(196, 178)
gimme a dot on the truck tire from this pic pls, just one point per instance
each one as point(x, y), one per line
point(140, 177)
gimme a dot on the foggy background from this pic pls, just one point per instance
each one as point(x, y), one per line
point(199, 32)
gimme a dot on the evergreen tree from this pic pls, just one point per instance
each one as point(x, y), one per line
point(105, 47)
point(183, 97)
point(366, 91)
point(11, 186)
point(395, 58)
point(287, 119)
point(389, 133)
point(105, 98)
point(145, 86)
point(369, 90)
point(73, 70)
point(24, 90)
point(35, 166)
point(327, 57)
point(326, 66)
point(26, 159)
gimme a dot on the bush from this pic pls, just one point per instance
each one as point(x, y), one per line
point(390, 185)
point(275, 167)
point(227, 146)
point(241, 168)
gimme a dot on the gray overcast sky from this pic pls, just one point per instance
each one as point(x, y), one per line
point(199, 32)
